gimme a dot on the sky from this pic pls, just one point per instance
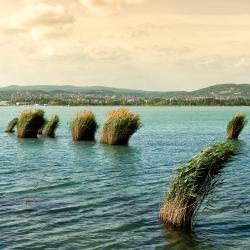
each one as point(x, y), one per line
point(140, 44)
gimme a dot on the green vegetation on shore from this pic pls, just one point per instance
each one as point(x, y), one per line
point(107, 101)
point(217, 95)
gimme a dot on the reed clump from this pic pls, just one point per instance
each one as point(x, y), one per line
point(193, 181)
point(29, 123)
point(120, 125)
point(11, 125)
point(235, 126)
point(84, 126)
point(51, 126)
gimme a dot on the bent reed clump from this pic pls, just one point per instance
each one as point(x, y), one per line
point(120, 125)
point(11, 125)
point(236, 125)
point(29, 123)
point(194, 181)
point(51, 126)
point(84, 126)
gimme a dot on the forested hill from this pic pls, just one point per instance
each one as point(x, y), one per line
point(215, 91)
point(224, 94)
point(224, 91)
point(95, 90)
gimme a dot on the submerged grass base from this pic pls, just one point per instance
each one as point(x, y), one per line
point(193, 182)
point(84, 126)
point(119, 127)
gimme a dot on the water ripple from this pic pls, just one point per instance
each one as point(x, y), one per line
point(57, 194)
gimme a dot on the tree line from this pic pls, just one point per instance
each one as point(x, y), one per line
point(136, 101)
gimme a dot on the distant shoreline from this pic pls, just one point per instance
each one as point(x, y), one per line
point(122, 105)
point(217, 95)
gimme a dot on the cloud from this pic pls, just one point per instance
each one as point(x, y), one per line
point(27, 2)
point(107, 6)
point(105, 53)
point(242, 62)
point(35, 16)
point(47, 51)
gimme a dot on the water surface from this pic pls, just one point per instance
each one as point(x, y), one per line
point(60, 194)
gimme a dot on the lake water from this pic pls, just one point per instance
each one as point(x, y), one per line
point(60, 194)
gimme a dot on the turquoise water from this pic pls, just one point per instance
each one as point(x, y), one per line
point(59, 194)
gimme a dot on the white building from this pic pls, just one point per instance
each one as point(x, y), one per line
point(4, 103)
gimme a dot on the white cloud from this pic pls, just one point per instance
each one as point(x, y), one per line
point(106, 53)
point(243, 61)
point(107, 6)
point(27, 2)
point(80, 52)
point(47, 51)
point(36, 16)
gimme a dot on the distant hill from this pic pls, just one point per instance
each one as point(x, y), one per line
point(224, 91)
point(106, 91)
point(215, 91)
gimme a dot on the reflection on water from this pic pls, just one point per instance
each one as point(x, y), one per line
point(121, 154)
point(178, 238)
point(181, 239)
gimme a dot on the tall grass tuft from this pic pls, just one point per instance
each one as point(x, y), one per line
point(51, 126)
point(193, 181)
point(11, 125)
point(120, 125)
point(29, 122)
point(236, 125)
point(84, 126)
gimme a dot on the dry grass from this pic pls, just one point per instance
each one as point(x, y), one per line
point(51, 126)
point(193, 182)
point(29, 122)
point(84, 126)
point(11, 126)
point(236, 125)
point(120, 125)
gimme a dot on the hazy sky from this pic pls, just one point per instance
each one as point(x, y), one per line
point(142, 44)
